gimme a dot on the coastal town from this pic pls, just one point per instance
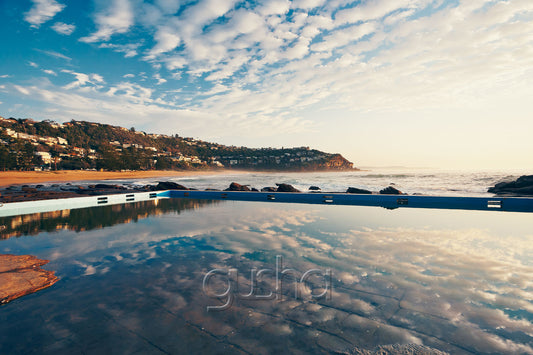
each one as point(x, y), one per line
point(26, 144)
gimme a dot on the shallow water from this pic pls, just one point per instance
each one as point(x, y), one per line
point(133, 279)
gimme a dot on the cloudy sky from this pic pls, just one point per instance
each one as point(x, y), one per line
point(437, 83)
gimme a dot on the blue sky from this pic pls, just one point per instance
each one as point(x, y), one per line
point(407, 82)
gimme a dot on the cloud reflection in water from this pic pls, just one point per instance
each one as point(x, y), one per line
point(461, 290)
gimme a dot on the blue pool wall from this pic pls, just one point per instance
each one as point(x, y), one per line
point(508, 204)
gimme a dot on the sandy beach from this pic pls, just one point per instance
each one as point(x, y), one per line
point(34, 177)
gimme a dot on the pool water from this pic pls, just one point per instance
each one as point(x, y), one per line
point(186, 276)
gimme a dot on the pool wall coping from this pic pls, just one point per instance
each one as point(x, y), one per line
point(508, 204)
point(28, 207)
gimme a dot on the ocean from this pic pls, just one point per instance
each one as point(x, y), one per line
point(408, 180)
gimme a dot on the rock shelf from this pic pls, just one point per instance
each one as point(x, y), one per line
point(21, 275)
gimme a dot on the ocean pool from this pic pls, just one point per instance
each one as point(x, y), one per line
point(182, 276)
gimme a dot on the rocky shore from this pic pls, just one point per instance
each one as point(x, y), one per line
point(523, 186)
point(19, 193)
point(21, 275)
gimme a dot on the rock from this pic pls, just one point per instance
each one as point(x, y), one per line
point(209, 189)
point(523, 186)
point(108, 186)
point(355, 190)
point(286, 188)
point(269, 189)
point(237, 187)
point(21, 275)
point(314, 188)
point(39, 186)
point(169, 185)
point(390, 191)
point(254, 189)
point(28, 189)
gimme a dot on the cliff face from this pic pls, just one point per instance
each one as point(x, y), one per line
point(338, 162)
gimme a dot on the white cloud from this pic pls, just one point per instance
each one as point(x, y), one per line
point(116, 19)
point(159, 79)
point(33, 64)
point(42, 11)
point(97, 78)
point(128, 76)
point(22, 90)
point(371, 10)
point(5, 76)
point(275, 7)
point(129, 50)
point(50, 72)
point(167, 39)
point(342, 37)
point(169, 6)
point(204, 12)
point(54, 54)
point(84, 80)
point(307, 4)
point(63, 28)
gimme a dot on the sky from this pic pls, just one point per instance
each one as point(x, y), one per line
point(418, 83)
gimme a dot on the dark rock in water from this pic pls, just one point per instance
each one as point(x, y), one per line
point(108, 186)
point(254, 189)
point(355, 190)
point(169, 185)
point(237, 187)
point(523, 186)
point(286, 188)
point(269, 189)
point(38, 186)
point(314, 188)
point(28, 189)
point(209, 189)
point(390, 191)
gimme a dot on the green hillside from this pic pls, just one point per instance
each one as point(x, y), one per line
point(27, 144)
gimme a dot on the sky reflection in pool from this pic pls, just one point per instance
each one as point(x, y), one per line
point(454, 281)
